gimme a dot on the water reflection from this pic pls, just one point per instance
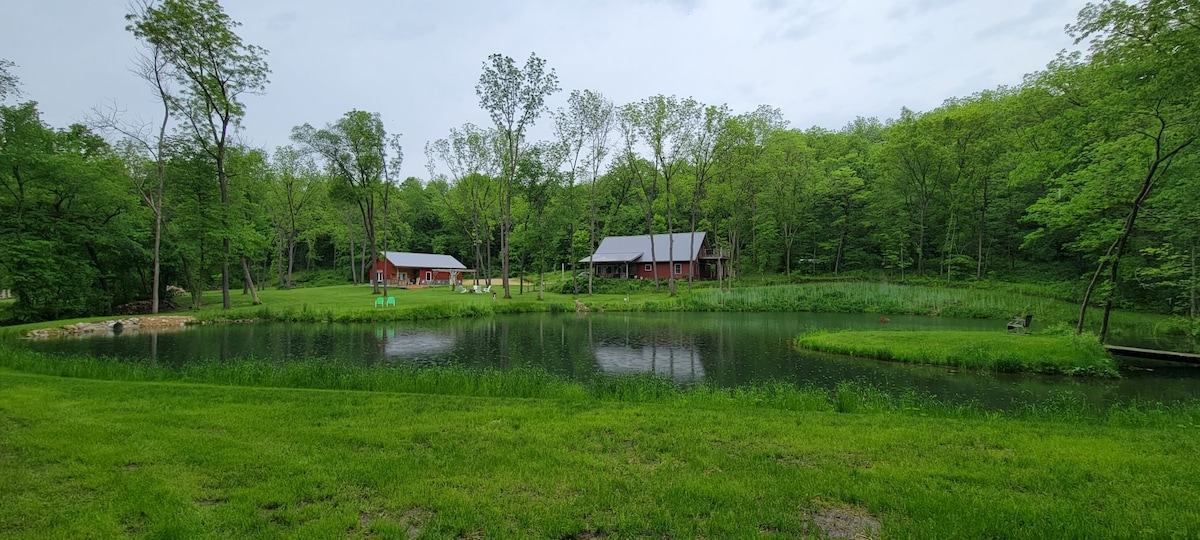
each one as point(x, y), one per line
point(681, 364)
point(721, 349)
point(408, 343)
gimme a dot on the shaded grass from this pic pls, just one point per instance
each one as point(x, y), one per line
point(987, 351)
point(101, 459)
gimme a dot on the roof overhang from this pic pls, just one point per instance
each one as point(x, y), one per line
point(613, 257)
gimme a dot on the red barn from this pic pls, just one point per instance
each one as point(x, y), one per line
point(632, 257)
point(400, 268)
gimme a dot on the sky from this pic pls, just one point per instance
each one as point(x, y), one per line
point(822, 62)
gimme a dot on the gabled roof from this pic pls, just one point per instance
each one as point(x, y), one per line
point(637, 248)
point(405, 259)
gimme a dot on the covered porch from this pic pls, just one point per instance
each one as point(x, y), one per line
point(613, 265)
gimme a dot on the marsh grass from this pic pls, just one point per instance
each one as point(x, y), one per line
point(325, 374)
point(876, 298)
point(985, 351)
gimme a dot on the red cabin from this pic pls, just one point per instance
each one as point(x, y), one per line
point(401, 268)
point(632, 257)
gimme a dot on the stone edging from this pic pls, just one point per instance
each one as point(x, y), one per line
point(114, 326)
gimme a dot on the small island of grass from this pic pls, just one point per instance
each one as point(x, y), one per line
point(989, 351)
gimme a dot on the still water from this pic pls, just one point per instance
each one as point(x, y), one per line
point(720, 349)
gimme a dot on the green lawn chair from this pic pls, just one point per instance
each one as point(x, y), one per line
point(391, 302)
point(379, 302)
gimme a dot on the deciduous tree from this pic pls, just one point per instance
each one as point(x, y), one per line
point(215, 69)
point(515, 98)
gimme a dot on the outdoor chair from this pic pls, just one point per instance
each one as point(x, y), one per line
point(391, 301)
point(379, 301)
point(1020, 324)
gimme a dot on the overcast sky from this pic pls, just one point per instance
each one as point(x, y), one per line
point(823, 62)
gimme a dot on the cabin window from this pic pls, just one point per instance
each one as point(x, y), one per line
point(678, 268)
point(647, 268)
point(379, 276)
point(428, 276)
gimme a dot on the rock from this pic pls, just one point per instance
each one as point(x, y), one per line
point(117, 326)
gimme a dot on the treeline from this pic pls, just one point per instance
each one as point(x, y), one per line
point(1086, 172)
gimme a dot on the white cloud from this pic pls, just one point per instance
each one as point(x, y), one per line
point(822, 62)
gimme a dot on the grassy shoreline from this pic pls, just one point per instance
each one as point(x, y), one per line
point(534, 383)
point(986, 351)
point(113, 458)
point(348, 303)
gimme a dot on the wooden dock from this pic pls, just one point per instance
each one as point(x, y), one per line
point(1152, 354)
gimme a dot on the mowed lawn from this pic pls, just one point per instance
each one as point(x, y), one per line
point(358, 302)
point(85, 458)
point(362, 297)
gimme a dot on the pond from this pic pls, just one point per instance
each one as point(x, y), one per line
point(720, 349)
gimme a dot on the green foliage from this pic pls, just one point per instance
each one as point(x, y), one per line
point(9, 85)
point(68, 236)
point(606, 286)
point(1032, 183)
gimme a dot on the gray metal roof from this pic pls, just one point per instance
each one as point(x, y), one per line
point(405, 259)
point(615, 257)
point(621, 248)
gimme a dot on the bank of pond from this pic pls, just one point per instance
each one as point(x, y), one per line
point(720, 351)
point(585, 426)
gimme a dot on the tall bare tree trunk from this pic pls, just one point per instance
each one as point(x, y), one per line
point(1192, 308)
point(223, 180)
point(250, 280)
point(350, 238)
point(1127, 230)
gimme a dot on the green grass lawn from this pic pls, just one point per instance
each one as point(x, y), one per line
point(86, 458)
point(355, 303)
point(988, 351)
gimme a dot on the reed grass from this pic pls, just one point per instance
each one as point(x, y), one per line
point(878, 298)
point(327, 374)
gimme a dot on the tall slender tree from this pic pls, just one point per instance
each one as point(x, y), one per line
point(215, 69)
point(294, 186)
point(469, 156)
point(515, 98)
point(584, 128)
point(151, 66)
point(354, 150)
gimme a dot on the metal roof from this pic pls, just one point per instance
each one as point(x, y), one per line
point(622, 248)
point(614, 257)
point(405, 259)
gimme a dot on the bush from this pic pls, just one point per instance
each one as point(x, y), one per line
point(608, 286)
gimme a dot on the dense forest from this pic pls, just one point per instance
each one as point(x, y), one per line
point(1085, 172)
